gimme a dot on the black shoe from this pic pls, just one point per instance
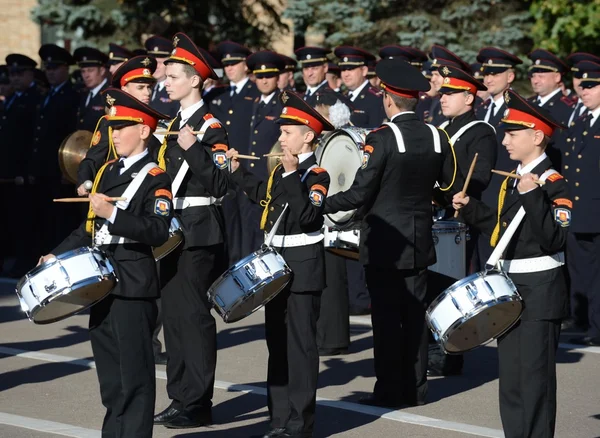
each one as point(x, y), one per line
point(435, 372)
point(160, 359)
point(190, 418)
point(275, 431)
point(372, 400)
point(332, 351)
point(569, 325)
point(590, 341)
point(167, 415)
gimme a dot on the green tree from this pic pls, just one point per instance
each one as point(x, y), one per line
point(565, 27)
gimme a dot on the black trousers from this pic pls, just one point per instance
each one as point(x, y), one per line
point(333, 326)
point(233, 225)
point(189, 327)
point(293, 365)
point(583, 262)
point(252, 236)
point(156, 344)
point(398, 300)
point(120, 332)
point(527, 363)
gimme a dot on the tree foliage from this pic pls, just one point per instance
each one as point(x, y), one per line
point(565, 27)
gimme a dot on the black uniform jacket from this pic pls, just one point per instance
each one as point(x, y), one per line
point(17, 132)
point(97, 154)
point(88, 116)
point(368, 109)
point(312, 99)
point(207, 176)
point(304, 215)
point(234, 112)
point(581, 169)
point(146, 221)
point(480, 139)
point(543, 231)
point(54, 122)
point(396, 191)
point(264, 134)
point(163, 104)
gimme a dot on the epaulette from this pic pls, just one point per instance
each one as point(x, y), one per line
point(213, 125)
point(555, 177)
point(567, 100)
point(220, 147)
point(375, 91)
point(377, 129)
point(156, 171)
point(112, 161)
point(318, 170)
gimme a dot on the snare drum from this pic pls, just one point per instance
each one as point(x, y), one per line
point(66, 285)
point(450, 238)
point(474, 311)
point(340, 153)
point(344, 243)
point(175, 238)
point(249, 284)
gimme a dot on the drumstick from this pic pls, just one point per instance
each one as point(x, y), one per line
point(277, 154)
point(86, 199)
point(515, 176)
point(175, 132)
point(246, 157)
point(468, 179)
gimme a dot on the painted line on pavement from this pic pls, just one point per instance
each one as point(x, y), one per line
point(48, 426)
point(398, 416)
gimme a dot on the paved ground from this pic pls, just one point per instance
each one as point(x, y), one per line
point(49, 387)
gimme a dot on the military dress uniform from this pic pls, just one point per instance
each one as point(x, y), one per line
point(91, 106)
point(160, 48)
point(581, 155)
point(138, 69)
point(527, 352)
point(264, 133)
point(396, 243)
point(313, 57)
point(121, 324)
point(291, 317)
point(367, 100)
point(187, 273)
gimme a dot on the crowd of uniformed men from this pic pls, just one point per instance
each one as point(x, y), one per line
point(41, 108)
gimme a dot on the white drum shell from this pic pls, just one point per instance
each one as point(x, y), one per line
point(450, 240)
point(474, 311)
point(51, 283)
point(342, 242)
point(249, 284)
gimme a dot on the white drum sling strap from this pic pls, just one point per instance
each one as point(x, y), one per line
point(437, 143)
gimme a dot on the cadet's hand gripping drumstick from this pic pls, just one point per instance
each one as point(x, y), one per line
point(515, 176)
point(87, 199)
point(466, 185)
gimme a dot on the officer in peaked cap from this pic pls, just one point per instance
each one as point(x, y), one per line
point(160, 48)
point(426, 98)
point(574, 59)
point(92, 63)
point(334, 78)
point(266, 67)
point(314, 64)
point(484, 95)
point(211, 83)
point(396, 244)
point(372, 76)
point(286, 78)
point(55, 120)
point(581, 155)
point(117, 55)
point(366, 99)
point(409, 54)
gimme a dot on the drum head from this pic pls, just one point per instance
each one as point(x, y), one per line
point(488, 324)
point(72, 302)
point(341, 156)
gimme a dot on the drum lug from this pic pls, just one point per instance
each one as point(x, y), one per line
point(473, 295)
point(457, 239)
point(239, 284)
point(455, 302)
point(436, 328)
point(250, 271)
point(436, 240)
point(264, 265)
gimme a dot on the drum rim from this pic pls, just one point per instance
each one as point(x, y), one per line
point(506, 299)
point(286, 271)
point(448, 227)
point(172, 234)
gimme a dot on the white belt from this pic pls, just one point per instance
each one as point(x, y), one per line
point(291, 240)
point(535, 264)
point(193, 201)
point(103, 237)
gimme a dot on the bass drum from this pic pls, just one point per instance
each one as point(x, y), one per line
point(340, 153)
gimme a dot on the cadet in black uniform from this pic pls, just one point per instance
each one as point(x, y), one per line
point(366, 99)
point(314, 63)
point(534, 261)
point(266, 67)
point(117, 55)
point(291, 317)
point(134, 77)
point(92, 63)
point(121, 324)
point(401, 164)
point(56, 119)
point(581, 155)
point(186, 274)
point(160, 48)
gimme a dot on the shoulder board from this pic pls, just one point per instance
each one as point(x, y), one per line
point(317, 170)
point(374, 91)
point(112, 161)
point(208, 116)
point(567, 100)
point(377, 129)
point(220, 147)
point(156, 171)
point(554, 177)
